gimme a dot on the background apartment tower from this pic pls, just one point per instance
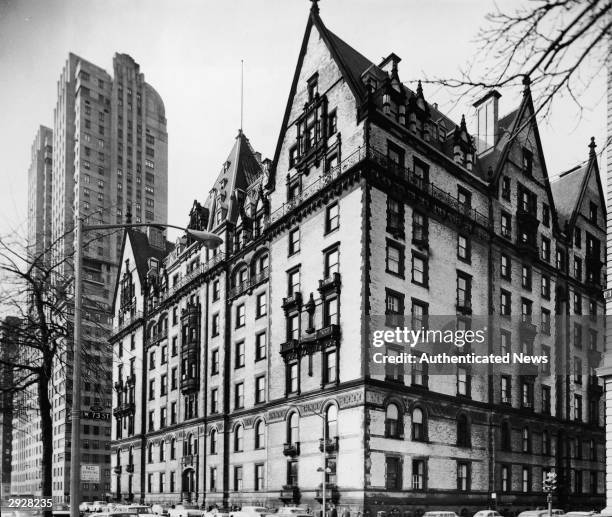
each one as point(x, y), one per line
point(109, 159)
point(39, 192)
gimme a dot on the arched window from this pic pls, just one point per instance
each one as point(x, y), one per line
point(463, 431)
point(506, 443)
point(526, 440)
point(238, 439)
point(213, 441)
point(331, 421)
point(150, 453)
point(293, 432)
point(392, 422)
point(173, 448)
point(418, 425)
point(259, 435)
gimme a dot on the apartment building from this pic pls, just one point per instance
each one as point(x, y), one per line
point(105, 158)
point(255, 360)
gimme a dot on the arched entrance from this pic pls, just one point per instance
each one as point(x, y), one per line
point(188, 485)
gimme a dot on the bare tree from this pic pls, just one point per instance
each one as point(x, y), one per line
point(559, 45)
point(37, 289)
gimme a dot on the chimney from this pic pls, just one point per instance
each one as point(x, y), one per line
point(487, 115)
point(258, 156)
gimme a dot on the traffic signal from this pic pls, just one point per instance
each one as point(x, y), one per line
point(550, 482)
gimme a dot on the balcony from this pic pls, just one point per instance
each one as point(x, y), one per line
point(290, 493)
point(464, 306)
point(527, 328)
point(127, 319)
point(332, 493)
point(332, 331)
point(331, 283)
point(249, 284)
point(124, 409)
point(295, 300)
point(117, 469)
point(156, 338)
point(291, 449)
point(189, 384)
point(189, 460)
point(289, 346)
point(329, 445)
point(129, 468)
point(528, 218)
point(191, 276)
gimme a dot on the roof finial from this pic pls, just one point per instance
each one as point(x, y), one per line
point(241, 92)
point(419, 91)
point(315, 6)
point(526, 82)
point(592, 147)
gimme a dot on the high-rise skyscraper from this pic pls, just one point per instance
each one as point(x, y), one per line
point(39, 192)
point(109, 159)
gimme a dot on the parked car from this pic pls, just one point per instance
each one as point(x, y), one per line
point(541, 513)
point(441, 513)
point(295, 511)
point(181, 510)
point(580, 514)
point(487, 513)
point(85, 506)
point(133, 508)
point(158, 509)
point(251, 511)
point(97, 506)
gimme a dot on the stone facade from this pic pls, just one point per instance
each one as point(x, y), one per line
point(374, 205)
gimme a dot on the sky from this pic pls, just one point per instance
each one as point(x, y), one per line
point(190, 51)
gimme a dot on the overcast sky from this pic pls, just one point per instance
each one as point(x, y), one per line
point(190, 51)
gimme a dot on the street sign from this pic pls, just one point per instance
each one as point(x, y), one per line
point(494, 495)
point(90, 473)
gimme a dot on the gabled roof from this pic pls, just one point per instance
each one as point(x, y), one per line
point(351, 63)
point(142, 251)
point(566, 191)
point(571, 186)
point(240, 169)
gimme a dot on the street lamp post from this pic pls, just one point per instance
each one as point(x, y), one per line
point(209, 240)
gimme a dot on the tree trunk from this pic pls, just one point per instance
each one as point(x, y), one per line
point(46, 431)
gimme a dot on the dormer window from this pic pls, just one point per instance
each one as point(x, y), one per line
point(313, 87)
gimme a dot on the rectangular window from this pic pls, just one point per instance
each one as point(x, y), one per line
point(526, 480)
point(214, 362)
point(546, 400)
point(526, 277)
point(506, 225)
point(260, 346)
point(506, 389)
point(395, 259)
point(260, 389)
point(294, 241)
point(215, 290)
point(261, 305)
point(505, 308)
point(419, 269)
point(545, 215)
point(293, 281)
point(463, 381)
point(505, 342)
point(329, 367)
point(240, 315)
point(239, 355)
point(237, 478)
point(546, 249)
point(215, 325)
point(292, 378)
point(464, 291)
point(578, 268)
point(505, 267)
point(505, 188)
point(463, 248)
point(419, 229)
point(395, 216)
point(545, 290)
point(239, 395)
point(259, 477)
point(293, 326)
point(214, 400)
point(332, 262)
point(527, 394)
point(332, 218)
point(330, 311)
point(463, 476)
point(393, 473)
point(418, 474)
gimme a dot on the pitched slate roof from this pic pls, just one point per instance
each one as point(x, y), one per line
point(143, 250)
point(240, 169)
point(566, 191)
